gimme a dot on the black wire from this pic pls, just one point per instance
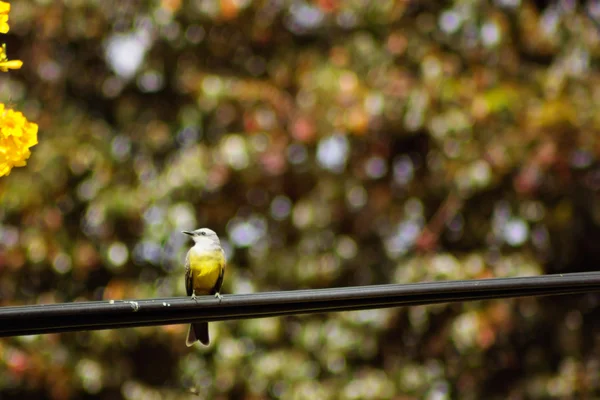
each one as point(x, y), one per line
point(53, 318)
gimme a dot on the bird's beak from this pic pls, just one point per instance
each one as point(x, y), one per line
point(188, 233)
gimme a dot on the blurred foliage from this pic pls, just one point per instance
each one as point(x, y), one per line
point(329, 144)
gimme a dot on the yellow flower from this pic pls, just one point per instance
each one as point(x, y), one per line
point(5, 63)
point(17, 135)
point(4, 23)
point(4, 9)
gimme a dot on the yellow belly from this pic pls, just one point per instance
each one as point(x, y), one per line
point(205, 270)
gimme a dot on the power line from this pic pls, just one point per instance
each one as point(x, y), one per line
point(65, 317)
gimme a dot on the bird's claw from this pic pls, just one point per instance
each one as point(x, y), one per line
point(218, 296)
point(193, 295)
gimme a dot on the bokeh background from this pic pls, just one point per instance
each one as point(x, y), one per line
point(329, 143)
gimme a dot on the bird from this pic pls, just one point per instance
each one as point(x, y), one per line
point(204, 270)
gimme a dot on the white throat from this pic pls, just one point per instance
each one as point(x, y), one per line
point(204, 244)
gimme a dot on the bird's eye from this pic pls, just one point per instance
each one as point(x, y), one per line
point(203, 233)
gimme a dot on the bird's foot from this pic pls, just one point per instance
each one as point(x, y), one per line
point(193, 295)
point(218, 296)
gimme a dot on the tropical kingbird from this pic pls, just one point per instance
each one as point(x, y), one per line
point(204, 269)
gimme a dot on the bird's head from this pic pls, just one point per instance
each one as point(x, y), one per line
point(203, 235)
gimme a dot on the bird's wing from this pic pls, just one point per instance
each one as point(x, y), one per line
point(189, 287)
point(219, 283)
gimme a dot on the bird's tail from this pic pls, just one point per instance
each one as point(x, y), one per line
point(198, 331)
